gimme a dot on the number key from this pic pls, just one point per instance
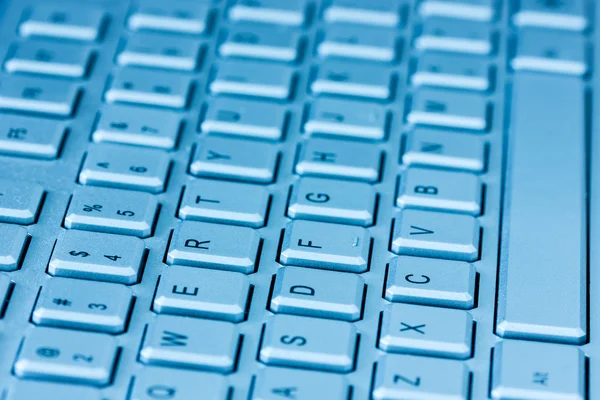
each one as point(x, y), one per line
point(64, 22)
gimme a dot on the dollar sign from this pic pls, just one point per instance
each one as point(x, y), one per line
point(79, 253)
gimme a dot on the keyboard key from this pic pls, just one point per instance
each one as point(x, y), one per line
point(244, 118)
point(317, 293)
point(435, 190)
point(191, 343)
point(203, 293)
point(275, 382)
point(371, 44)
point(447, 109)
point(434, 148)
point(431, 282)
point(19, 201)
point(251, 78)
point(175, 16)
point(112, 211)
point(410, 377)
point(235, 159)
point(328, 200)
point(12, 246)
point(475, 10)
point(155, 50)
point(200, 244)
point(152, 383)
point(531, 371)
point(48, 58)
point(38, 95)
point(118, 166)
point(436, 235)
point(260, 42)
point(328, 246)
point(97, 257)
point(371, 12)
point(568, 15)
point(31, 137)
point(451, 35)
point(347, 119)
point(54, 20)
point(225, 202)
point(64, 355)
point(290, 12)
point(27, 390)
point(311, 343)
point(452, 71)
point(150, 88)
point(137, 126)
point(337, 159)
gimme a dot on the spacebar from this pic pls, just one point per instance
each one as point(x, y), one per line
point(542, 281)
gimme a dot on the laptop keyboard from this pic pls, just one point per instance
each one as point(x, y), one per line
point(299, 199)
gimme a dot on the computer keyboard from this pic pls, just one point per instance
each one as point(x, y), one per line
point(298, 199)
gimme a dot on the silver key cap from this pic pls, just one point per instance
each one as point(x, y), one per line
point(235, 159)
point(372, 12)
point(118, 166)
point(150, 88)
point(97, 257)
point(568, 15)
point(452, 71)
point(152, 383)
point(347, 119)
point(65, 355)
point(316, 293)
point(474, 10)
point(260, 42)
point(38, 95)
point(191, 343)
point(427, 281)
point(48, 58)
point(19, 201)
point(28, 390)
point(328, 246)
point(12, 246)
point(328, 200)
point(144, 49)
point(537, 371)
point(63, 22)
point(444, 34)
point(137, 126)
point(345, 79)
point(290, 12)
point(200, 244)
point(420, 378)
point(112, 211)
point(175, 16)
point(310, 343)
point(203, 293)
point(31, 137)
point(372, 44)
point(273, 383)
point(337, 159)
point(245, 118)
point(436, 235)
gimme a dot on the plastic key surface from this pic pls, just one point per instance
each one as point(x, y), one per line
point(273, 382)
point(38, 95)
point(455, 36)
point(474, 10)
point(155, 382)
point(370, 44)
point(373, 12)
point(48, 58)
point(564, 15)
point(31, 137)
point(287, 13)
point(19, 201)
point(269, 43)
point(27, 390)
point(12, 246)
point(154, 50)
point(174, 16)
point(54, 20)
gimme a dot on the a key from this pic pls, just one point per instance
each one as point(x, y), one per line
point(38, 95)
point(345, 79)
point(174, 16)
point(119, 166)
point(384, 13)
point(137, 126)
point(328, 246)
point(54, 20)
point(191, 343)
point(316, 293)
point(12, 246)
point(244, 118)
point(203, 293)
point(65, 355)
point(311, 343)
point(19, 201)
point(446, 109)
point(337, 159)
point(49, 58)
point(545, 303)
point(456, 36)
point(154, 50)
point(235, 159)
point(427, 281)
point(225, 202)
point(347, 119)
point(152, 383)
point(371, 44)
point(254, 79)
point(97, 257)
point(30, 137)
point(435, 190)
point(290, 12)
point(474, 10)
point(436, 235)
point(411, 377)
point(452, 71)
point(150, 88)
point(27, 390)
point(273, 382)
point(550, 51)
point(112, 211)
point(260, 42)
point(447, 150)
point(200, 244)
point(565, 15)
point(328, 200)
point(533, 371)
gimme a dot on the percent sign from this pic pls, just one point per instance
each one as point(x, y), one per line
point(95, 207)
